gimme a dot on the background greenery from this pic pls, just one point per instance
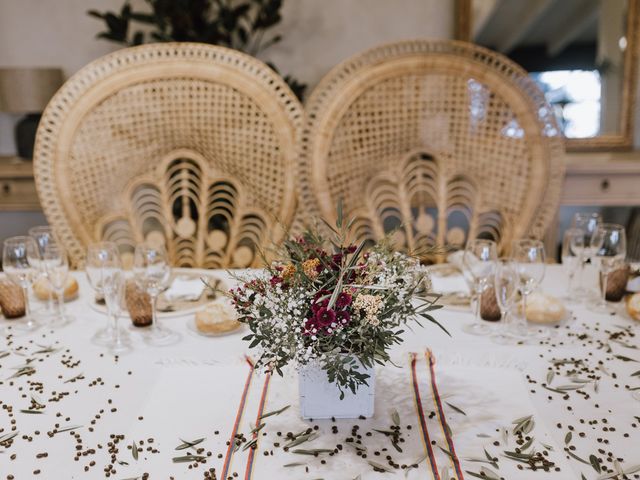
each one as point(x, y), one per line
point(244, 25)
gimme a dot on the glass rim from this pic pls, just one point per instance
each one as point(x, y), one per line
point(610, 226)
point(19, 239)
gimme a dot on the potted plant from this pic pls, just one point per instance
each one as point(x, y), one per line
point(333, 310)
point(243, 25)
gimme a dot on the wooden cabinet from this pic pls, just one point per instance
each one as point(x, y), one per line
point(602, 180)
point(17, 186)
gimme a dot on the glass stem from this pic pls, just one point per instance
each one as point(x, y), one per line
point(116, 333)
point(524, 308)
point(60, 306)
point(478, 302)
point(605, 278)
point(27, 308)
point(154, 314)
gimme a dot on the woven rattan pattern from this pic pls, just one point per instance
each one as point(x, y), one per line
point(436, 139)
point(120, 116)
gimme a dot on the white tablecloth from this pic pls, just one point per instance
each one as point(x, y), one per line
point(191, 390)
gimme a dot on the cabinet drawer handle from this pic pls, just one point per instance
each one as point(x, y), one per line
point(6, 188)
point(604, 185)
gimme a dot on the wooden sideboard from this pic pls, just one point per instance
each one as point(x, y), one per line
point(17, 187)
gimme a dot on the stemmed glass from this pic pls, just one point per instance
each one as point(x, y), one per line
point(55, 265)
point(529, 260)
point(478, 262)
point(153, 273)
point(609, 246)
point(44, 236)
point(572, 249)
point(506, 283)
point(113, 290)
point(18, 255)
point(102, 258)
point(587, 222)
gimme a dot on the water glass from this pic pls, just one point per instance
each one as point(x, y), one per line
point(478, 265)
point(44, 237)
point(588, 222)
point(54, 265)
point(113, 283)
point(609, 245)
point(529, 260)
point(572, 250)
point(506, 284)
point(102, 259)
point(152, 273)
point(20, 258)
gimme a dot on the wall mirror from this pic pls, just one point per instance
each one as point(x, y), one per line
point(582, 53)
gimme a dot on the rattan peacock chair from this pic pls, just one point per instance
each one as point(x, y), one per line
point(434, 141)
point(185, 145)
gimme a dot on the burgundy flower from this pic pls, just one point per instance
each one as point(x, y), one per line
point(344, 317)
point(325, 317)
point(275, 281)
point(343, 301)
point(351, 249)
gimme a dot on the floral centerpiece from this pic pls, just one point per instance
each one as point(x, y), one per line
point(333, 306)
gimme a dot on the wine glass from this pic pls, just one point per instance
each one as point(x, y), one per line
point(506, 283)
point(529, 260)
point(16, 255)
point(113, 282)
point(587, 222)
point(572, 249)
point(44, 236)
point(609, 246)
point(102, 258)
point(478, 262)
point(152, 272)
point(54, 265)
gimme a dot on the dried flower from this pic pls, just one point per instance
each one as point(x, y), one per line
point(371, 305)
point(310, 268)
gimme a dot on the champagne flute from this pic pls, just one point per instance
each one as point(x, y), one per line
point(478, 262)
point(16, 255)
point(587, 222)
point(572, 248)
point(506, 283)
point(44, 236)
point(529, 259)
point(609, 245)
point(152, 272)
point(102, 258)
point(55, 266)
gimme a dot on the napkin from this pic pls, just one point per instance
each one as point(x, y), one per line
point(185, 289)
point(449, 284)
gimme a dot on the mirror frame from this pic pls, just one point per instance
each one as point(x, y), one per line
point(623, 139)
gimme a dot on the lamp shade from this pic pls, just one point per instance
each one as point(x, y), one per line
point(28, 90)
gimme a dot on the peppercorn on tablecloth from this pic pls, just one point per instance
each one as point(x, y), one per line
point(564, 406)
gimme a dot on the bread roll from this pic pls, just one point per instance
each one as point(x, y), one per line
point(633, 306)
point(218, 317)
point(544, 309)
point(43, 291)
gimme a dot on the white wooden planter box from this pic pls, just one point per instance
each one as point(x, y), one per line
point(321, 399)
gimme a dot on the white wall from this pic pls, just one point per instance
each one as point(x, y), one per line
point(317, 33)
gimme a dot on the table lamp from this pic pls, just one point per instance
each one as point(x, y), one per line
point(27, 91)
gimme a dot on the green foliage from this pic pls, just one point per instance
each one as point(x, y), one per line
point(239, 24)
